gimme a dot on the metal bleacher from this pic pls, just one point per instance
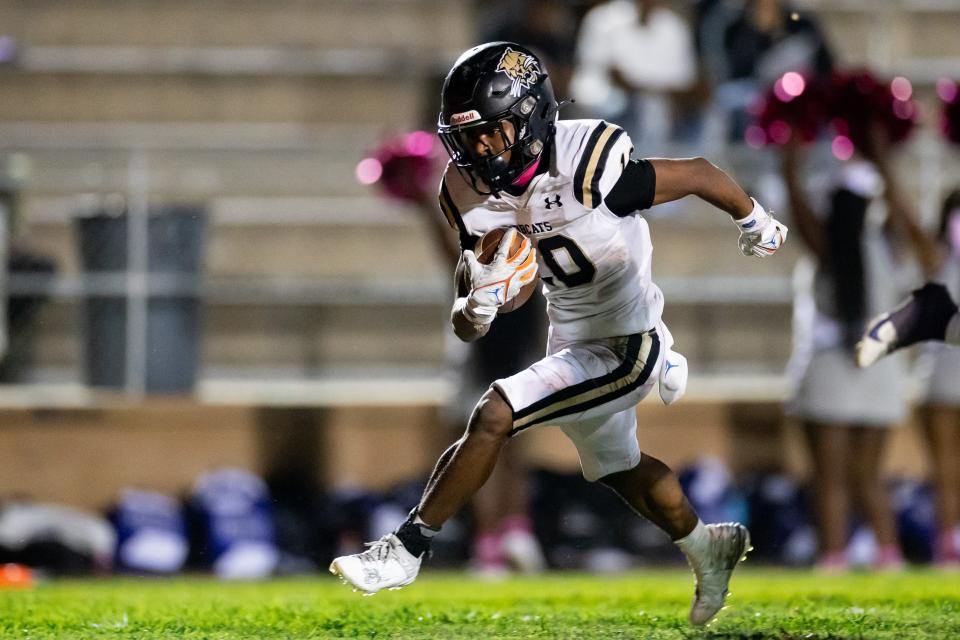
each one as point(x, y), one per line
point(260, 110)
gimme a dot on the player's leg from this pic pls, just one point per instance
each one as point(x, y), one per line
point(653, 491)
point(713, 551)
point(470, 463)
point(928, 314)
point(394, 560)
point(828, 445)
point(871, 495)
point(941, 428)
point(609, 452)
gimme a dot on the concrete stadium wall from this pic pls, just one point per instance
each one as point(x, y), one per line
point(85, 456)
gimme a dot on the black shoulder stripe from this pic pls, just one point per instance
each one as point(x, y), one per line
point(595, 195)
point(454, 219)
point(585, 160)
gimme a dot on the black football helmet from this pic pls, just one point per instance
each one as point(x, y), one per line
point(489, 85)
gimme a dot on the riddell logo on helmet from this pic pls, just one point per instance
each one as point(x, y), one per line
point(465, 117)
point(521, 68)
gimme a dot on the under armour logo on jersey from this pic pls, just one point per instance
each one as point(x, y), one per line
point(556, 201)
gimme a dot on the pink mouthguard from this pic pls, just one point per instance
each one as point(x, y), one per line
point(524, 178)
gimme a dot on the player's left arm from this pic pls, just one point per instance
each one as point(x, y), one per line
point(646, 183)
point(681, 177)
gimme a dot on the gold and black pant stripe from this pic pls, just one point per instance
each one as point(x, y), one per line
point(641, 354)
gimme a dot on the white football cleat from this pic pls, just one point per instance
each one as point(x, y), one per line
point(522, 551)
point(385, 565)
point(729, 544)
point(673, 377)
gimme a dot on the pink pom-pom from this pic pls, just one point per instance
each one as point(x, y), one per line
point(849, 103)
point(793, 107)
point(859, 101)
point(405, 167)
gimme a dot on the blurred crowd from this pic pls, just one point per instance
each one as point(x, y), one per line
point(237, 526)
point(667, 71)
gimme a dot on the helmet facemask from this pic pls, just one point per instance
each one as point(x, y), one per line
point(520, 130)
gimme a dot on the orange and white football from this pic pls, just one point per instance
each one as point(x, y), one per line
point(487, 247)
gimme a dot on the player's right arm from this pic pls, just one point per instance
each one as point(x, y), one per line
point(466, 325)
point(483, 288)
point(469, 322)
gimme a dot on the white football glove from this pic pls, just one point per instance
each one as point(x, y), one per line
point(493, 285)
point(760, 234)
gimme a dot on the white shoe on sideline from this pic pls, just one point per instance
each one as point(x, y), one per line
point(522, 551)
point(385, 565)
point(729, 544)
point(924, 315)
point(878, 340)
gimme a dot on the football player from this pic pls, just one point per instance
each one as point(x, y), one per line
point(573, 187)
point(928, 314)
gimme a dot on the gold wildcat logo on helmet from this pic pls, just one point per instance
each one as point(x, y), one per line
point(522, 69)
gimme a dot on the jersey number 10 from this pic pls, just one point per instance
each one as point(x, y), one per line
point(585, 271)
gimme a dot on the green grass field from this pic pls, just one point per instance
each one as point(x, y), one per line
point(649, 604)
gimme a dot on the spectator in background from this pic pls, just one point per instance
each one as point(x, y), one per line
point(504, 538)
point(768, 39)
point(710, 21)
point(927, 315)
point(940, 408)
point(503, 533)
point(847, 412)
point(548, 27)
point(635, 61)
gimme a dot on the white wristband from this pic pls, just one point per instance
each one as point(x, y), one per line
point(755, 220)
point(474, 313)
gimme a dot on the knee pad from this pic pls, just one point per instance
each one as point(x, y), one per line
point(673, 377)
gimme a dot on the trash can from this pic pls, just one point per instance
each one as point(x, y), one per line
point(176, 241)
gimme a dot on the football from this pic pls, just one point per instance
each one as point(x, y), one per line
point(485, 250)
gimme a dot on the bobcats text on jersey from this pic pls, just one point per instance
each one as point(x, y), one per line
point(535, 228)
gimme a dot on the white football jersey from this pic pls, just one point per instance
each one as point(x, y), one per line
point(595, 266)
